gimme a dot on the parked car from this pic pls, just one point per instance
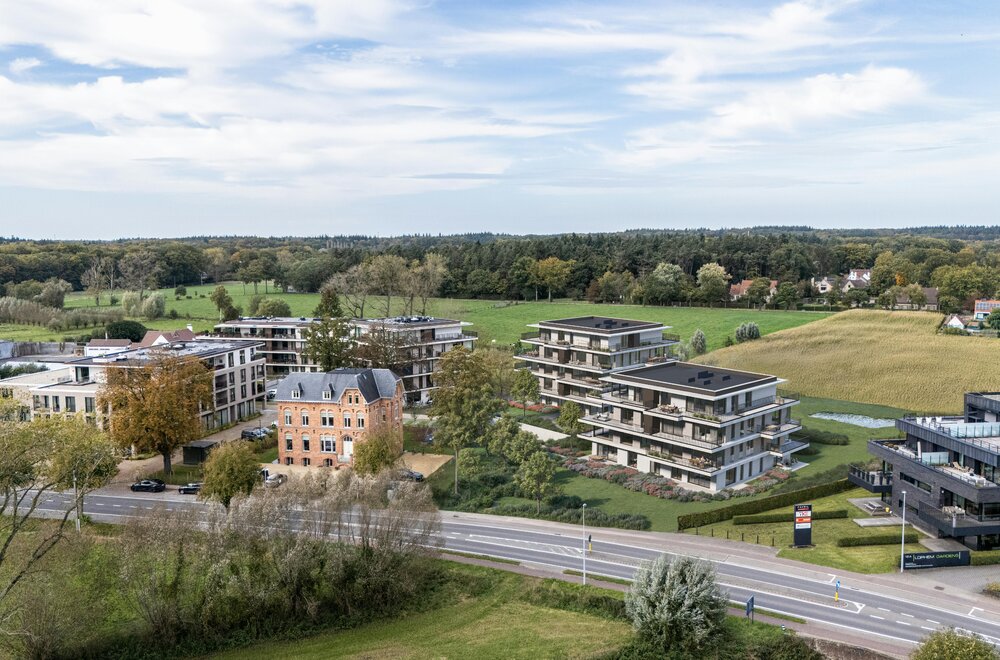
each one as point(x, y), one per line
point(253, 434)
point(148, 486)
point(272, 479)
point(410, 475)
point(190, 489)
point(271, 394)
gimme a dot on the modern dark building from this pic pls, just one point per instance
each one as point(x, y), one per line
point(950, 470)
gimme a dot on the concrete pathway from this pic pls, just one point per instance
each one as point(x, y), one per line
point(541, 433)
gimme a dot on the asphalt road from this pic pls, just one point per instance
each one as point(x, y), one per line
point(892, 609)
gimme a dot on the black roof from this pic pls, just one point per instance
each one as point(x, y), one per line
point(687, 375)
point(603, 324)
point(373, 384)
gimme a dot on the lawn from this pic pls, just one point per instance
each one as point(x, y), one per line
point(865, 559)
point(888, 358)
point(830, 456)
point(180, 474)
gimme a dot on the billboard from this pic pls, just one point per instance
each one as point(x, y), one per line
point(936, 559)
point(803, 525)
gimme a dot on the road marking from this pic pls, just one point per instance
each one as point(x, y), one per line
point(117, 506)
point(148, 508)
point(884, 610)
point(905, 614)
point(972, 612)
point(861, 606)
point(880, 618)
point(903, 623)
point(99, 503)
point(927, 628)
point(934, 622)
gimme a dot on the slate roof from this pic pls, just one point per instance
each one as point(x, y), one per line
point(374, 384)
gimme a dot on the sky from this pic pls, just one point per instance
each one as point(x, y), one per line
point(123, 118)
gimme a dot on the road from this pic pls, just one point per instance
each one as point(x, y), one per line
point(896, 610)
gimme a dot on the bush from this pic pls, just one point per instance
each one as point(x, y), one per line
point(747, 332)
point(690, 520)
point(154, 306)
point(180, 290)
point(985, 558)
point(992, 589)
point(126, 330)
point(574, 598)
point(822, 437)
point(596, 517)
point(875, 539)
point(786, 517)
point(273, 307)
point(131, 303)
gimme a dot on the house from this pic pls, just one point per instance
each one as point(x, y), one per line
point(984, 307)
point(850, 285)
point(283, 338)
point(705, 427)
point(949, 470)
point(930, 296)
point(859, 275)
point(958, 322)
point(422, 340)
point(570, 356)
point(99, 347)
point(323, 417)
point(825, 284)
point(162, 337)
point(738, 290)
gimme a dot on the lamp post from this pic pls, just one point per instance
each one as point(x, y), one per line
point(584, 519)
point(902, 535)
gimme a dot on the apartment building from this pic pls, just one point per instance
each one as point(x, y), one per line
point(323, 417)
point(282, 338)
point(949, 468)
point(18, 388)
point(570, 356)
point(238, 388)
point(983, 307)
point(422, 340)
point(704, 427)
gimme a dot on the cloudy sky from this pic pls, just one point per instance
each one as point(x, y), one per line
point(276, 117)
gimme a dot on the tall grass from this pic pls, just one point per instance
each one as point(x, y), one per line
point(888, 358)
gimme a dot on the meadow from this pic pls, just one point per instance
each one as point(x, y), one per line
point(886, 358)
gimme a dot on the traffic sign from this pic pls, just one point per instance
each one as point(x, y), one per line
point(750, 608)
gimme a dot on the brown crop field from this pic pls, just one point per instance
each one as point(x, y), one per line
point(889, 358)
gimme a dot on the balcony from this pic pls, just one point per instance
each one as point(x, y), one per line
point(528, 336)
point(965, 483)
point(954, 521)
point(772, 430)
point(874, 481)
point(697, 463)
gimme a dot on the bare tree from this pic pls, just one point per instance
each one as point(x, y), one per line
point(428, 278)
point(93, 280)
point(356, 284)
point(388, 272)
point(139, 271)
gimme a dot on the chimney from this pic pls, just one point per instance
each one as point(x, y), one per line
point(190, 328)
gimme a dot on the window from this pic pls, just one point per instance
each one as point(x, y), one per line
point(288, 418)
point(327, 394)
point(55, 404)
point(325, 418)
point(288, 442)
point(71, 404)
point(243, 357)
point(305, 443)
point(231, 361)
point(88, 404)
point(243, 375)
point(289, 460)
point(328, 462)
point(232, 378)
point(361, 421)
point(243, 391)
point(295, 394)
point(306, 462)
point(347, 421)
point(327, 444)
point(305, 418)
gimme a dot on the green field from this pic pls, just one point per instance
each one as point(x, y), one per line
point(888, 358)
point(864, 559)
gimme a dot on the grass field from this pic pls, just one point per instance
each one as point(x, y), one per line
point(864, 559)
point(887, 358)
point(492, 319)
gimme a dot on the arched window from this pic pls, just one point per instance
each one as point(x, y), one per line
point(288, 418)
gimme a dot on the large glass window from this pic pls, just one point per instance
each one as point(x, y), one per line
point(288, 418)
point(305, 418)
point(327, 444)
point(305, 443)
point(288, 442)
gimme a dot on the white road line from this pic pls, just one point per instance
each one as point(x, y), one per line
point(934, 622)
point(905, 614)
point(903, 623)
point(927, 628)
point(117, 506)
point(99, 503)
point(884, 610)
point(880, 618)
point(972, 612)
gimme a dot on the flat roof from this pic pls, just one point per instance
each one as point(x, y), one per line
point(39, 377)
point(257, 321)
point(410, 321)
point(603, 324)
point(200, 348)
point(690, 376)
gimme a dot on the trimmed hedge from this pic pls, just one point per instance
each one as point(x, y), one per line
point(985, 557)
point(786, 517)
point(876, 539)
point(822, 437)
point(689, 520)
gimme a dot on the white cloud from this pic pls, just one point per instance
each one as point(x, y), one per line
point(22, 64)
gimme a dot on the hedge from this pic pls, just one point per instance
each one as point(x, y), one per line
point(875, 539)
point(986, 558)
point(786, 517)
point(822, 437)
point(689, 520)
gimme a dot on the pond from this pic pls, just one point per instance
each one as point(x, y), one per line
point(856, 420)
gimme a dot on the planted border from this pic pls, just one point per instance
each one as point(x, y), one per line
point(786, 517)
point(689, 520)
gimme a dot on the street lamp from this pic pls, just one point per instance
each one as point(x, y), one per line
point(584, 519)
point(902, 535)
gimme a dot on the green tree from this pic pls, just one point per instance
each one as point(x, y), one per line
point(232, 469)
point(676, 606)
point(499, 363)
point(553, 273)
point(787, 295)
point(132, 330)
point(328, 343)
point(662, 285)
point(154, 306)
point(329, 302)
point(713, 283)
point(993, 320)
point(569, 417)
point(274, 307)
point(380, 450)
point(388, 272)
point(759, 291)
point(83, 459)
point(535, 476)
point(464, 402)
point(524, 388)
point(949, 644)
point(222, 301)
point(698, 342)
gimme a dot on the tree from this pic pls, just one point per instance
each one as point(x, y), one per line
point(553, 273)
point(54, 292)
point(223, 302)
point(758, 292)
point(329, 344)
point(232, 469)
point(713, 283)
point(747, 332)
point(428, 277)
point(93, 280)
point(676, 606)
point(154, 306)
point(379, 451)
point(993, 320)
point(787, 296)
point(131, 303)
point(662, 285)
point(387, 271)
point(499, 362)
point(857, 297)
point(611, 287)
point(381, 348)
point(464, 404)
point(274, 307)
point(524, 388)
point(569, 417)
point(329, 302)
point(522, 278)
point(156, 406)
point(949, 644)
point(139, 271)
point(131, 330)
point(534, 477)
point(698, 342)
point(356, 284)
point(916, 294)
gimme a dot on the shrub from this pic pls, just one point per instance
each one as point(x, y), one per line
point(949, 644)
point(126, 330)
point(747, 332)
point(154, 306)
point(597, 517)
point(875, 539)
point(273, 307)
point(992, 589)
point(822, 437)
point(181, 290)
point(131, 303)
point(786, 517)
point(690, 520)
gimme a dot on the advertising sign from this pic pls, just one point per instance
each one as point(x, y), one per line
point(803, 524)
point(936, 559)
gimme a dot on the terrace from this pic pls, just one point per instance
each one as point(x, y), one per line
point(937, 461)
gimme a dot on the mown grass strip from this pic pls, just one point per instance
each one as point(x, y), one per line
point(472, 555)
point(598, 576)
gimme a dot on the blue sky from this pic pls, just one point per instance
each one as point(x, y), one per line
point(146, 118)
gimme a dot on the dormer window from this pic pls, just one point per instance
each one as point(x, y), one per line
point(295, 394)
point(326, 394)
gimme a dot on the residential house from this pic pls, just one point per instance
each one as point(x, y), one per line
point(930, 295)
point(283, 340)
point(859, 283)
point(18, 388)
point(825, 284)
point(949, 470)
point(984, 307)
point(99, 347)
point(162, 337)
point(960, 322)
point(738, 290)
point(570, 356)
point(704, 427)
point(859, 275)
point(422, 340)
point(324, 417)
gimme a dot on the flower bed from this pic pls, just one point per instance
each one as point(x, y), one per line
point(542, 408)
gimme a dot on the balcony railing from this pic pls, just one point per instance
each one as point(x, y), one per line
point(702, 464)
point(530, 335)
point(955, 472)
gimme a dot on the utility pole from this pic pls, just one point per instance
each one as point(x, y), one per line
point(76, 502)
point(902, 535)
point(584, 539)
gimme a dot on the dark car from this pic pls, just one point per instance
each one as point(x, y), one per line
point(253, 434)
point(148, 486)
point(190, 489)
point(410, 475)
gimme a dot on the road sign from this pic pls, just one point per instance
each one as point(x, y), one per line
point(803, 525)
point(936, 559)
point(750, 608)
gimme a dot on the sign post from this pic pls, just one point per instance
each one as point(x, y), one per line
point(750, 609)
point(836, 592)
point(803, 525)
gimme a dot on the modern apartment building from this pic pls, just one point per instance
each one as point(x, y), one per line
point(237, 379)
point(421, 340)
point(950, 470)
point(983, 308)
point(322, 417)
point(702, 426)
point(283, 342)
point(570, 356)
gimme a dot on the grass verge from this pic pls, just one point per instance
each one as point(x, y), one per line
point(598, 576)
point(472, 555)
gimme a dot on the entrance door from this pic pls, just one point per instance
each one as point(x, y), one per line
point(348, 447)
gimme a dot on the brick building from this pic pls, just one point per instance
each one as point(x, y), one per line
point(322, 417)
